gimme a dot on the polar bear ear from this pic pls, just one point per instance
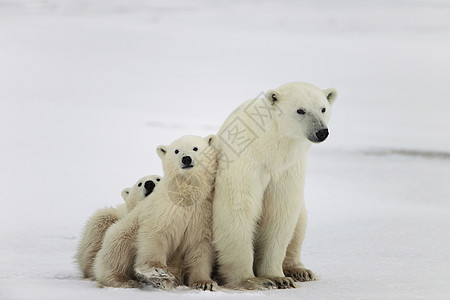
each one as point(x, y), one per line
point(211, 139)
point(331, 94)
point(273, 96)
point(125, 193)
point(161, 150)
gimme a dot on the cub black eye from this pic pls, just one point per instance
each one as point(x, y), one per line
point(140, 183)
point(300, 111)
point(176, 151)
point(157, 179)
point(195, 149)
point(324, 109)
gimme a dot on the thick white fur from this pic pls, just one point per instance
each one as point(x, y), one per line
point(259, 216)
point(168, 236)
point(102, 219)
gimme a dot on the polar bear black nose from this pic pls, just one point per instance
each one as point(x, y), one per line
point(322, 134)
point(186, 160)
point(149, 186)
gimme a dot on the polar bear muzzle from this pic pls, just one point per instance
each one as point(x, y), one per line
point(149, 186)
point(322, 134)
point(319, 136)
point(187, 162)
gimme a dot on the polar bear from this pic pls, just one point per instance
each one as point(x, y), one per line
point(144, 187)
point(170, 231)
point(103, 218)
point(259, 216)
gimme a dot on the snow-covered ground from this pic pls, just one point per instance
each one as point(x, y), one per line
point(88, 89)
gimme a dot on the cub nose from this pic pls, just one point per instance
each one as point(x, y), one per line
point(322, 134)
point(149, 186)
point(186, 160)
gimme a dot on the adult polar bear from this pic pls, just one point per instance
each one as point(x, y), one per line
point(259, 216)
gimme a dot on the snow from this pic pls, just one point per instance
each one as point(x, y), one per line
point(90, 88)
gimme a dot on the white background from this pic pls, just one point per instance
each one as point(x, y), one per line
point(88, 89)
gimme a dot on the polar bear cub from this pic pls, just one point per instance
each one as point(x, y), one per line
point(172, 223)
point(103, 218)
point(144, 187)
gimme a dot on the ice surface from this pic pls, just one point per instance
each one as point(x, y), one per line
point(88, 89)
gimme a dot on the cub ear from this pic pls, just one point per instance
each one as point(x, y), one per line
point(125, 193)
point(161, 151)
point(331, 95)
point(273, 96)
point(211, 139)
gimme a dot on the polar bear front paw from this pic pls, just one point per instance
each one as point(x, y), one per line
point(257, 283)
point(299, 274)
point(207, 285)
point(164, 284)
point(158, 277)
point(154, 273)
point(283, 282)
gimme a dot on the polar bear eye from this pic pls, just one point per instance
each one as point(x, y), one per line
point(176, 151)
point(157, 179)
point(195, 149)
point(300, 111)
point(140, 183)
point(324, 109)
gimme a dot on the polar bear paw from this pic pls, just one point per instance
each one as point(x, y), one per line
point(257, 283)
point(164, 284)
point(299, 274)
point(158, 277)
point(154, 273)
point(207, 285)
point(283, 282)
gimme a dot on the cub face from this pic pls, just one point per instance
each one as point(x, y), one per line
point(305, 109)
point(140, 190)
point(187, 154)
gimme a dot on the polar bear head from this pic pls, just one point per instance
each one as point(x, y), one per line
point(304, 110)
point(188, 155)
point(143, 187)
point(190, 166)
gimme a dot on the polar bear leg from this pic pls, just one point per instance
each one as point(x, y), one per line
point(292, 264)
point(114, 262)
point(280, 214)
point(236, 210)
point(92, 239)
point(151, 256)
point(199, 260)
point(198, 250)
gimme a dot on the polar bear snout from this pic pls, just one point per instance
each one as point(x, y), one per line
point(149, 186)
point(322, 134)
point(318, 136)
point(187, 162)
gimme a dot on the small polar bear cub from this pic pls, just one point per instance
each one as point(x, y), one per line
point(103, 218)
point(144, 187)
point(170, 230)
